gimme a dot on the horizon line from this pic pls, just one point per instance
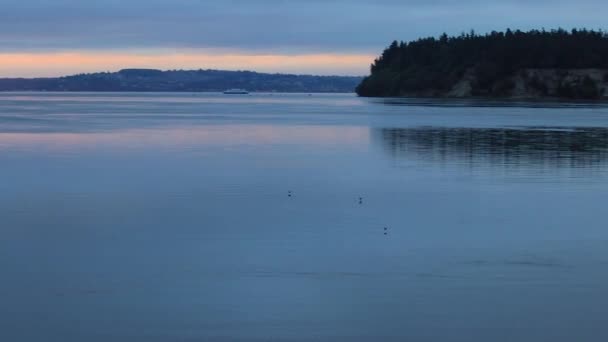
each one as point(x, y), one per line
point(117, 71)
point(53, 65)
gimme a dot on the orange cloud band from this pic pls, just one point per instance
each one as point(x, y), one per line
point(56, 64)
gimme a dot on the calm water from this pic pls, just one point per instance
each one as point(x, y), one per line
point(166, 217)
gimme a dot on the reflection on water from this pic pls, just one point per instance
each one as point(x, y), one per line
point(180, 137)
point(201, 217)
point(526, 147)
point(489, 103)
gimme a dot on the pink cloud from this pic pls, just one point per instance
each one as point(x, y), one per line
point(63, 63)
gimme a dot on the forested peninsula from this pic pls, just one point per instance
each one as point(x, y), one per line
point(512, 64)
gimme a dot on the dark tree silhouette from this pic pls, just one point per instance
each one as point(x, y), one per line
point(433, 66)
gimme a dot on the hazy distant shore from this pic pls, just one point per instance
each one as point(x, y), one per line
point(151, 80)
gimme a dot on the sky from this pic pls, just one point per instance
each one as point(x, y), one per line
point(340, 37)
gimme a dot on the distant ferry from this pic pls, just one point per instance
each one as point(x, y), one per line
point(236, 92)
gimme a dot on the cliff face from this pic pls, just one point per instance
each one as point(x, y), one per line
point(533, 84)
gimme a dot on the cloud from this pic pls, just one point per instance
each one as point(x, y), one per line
point(286, 28)
point(57, 64)
point(280, 26)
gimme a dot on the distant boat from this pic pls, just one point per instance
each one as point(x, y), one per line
point(236, 92)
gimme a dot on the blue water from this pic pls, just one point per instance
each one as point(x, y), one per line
point(167, 217)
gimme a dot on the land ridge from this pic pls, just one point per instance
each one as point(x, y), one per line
point(149, 80)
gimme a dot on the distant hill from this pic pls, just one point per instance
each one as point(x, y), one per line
point(512, 64)
point(185, 81)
